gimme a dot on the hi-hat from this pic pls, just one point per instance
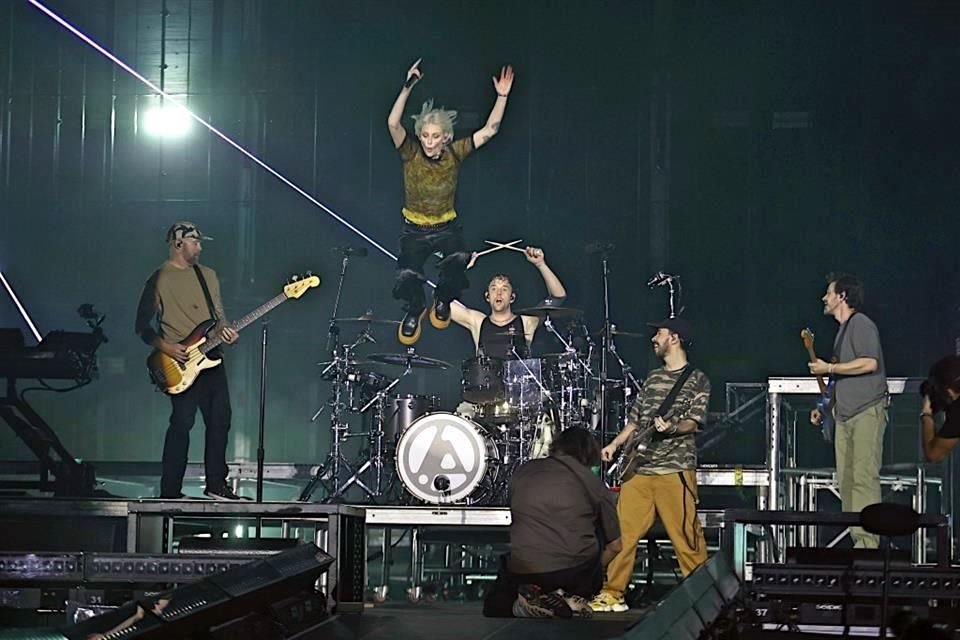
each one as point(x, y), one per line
point(367, 317)
point(408, 360)
point(549, 307)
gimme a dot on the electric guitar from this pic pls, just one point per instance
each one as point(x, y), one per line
point(637, 444)
point(826, 402)
point(172, 377)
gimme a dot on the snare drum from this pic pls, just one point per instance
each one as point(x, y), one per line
point(482, 379)
point(401, 411)
point(443, 458)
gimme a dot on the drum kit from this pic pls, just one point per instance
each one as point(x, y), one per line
point(511, 410)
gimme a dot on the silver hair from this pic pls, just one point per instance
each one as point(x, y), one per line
point(428, 115)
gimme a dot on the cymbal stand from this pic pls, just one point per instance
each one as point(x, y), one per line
point(583, 364)
point(625, 368)
point(522, 455)
point(376, 458)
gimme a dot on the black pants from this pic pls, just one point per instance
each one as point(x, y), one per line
point(208, 393)
point(416, 245)
point(584, 580)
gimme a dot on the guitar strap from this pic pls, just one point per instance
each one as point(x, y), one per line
point(675, 391)
point(206, 292)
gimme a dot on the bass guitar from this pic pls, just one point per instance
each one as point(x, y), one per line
point(826, 402)
point(635, 448)
point(173, 377)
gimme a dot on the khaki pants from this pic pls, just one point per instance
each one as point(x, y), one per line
point(858, 443)
point(674, 500)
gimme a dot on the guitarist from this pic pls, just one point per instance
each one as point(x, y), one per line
point(180, 295)
point(664, 480)
point(861, 399)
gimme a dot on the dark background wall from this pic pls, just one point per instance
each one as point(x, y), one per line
point(803, 138)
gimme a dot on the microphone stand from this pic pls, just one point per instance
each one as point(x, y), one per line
point(605, 341)
point(263, 403)
point(334, 331)
point(337, 425)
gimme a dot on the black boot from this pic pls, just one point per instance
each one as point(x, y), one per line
point(408, 333)
point(440, 314)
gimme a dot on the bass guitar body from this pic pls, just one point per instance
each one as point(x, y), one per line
point(174, 378)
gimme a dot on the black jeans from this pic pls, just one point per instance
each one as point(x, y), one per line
point(416, 245)
point(209, 393)
point(584, 580)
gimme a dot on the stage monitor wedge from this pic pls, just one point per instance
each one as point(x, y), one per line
point(192, 610)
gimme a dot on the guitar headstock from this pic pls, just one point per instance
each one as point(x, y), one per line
point(807, 336)
point(299, 285)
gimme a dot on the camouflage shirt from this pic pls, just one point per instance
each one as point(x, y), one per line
point(429, 186)
point(669, 454)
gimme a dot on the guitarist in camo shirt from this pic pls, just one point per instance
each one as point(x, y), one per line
point(661, 479)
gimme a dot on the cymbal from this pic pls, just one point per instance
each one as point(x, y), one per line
point(414, 360)
point(625, 334)
point(549, 307)
point(367, 317)
point(350, 363)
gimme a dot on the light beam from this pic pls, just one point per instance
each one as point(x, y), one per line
point(20, 308)
point(169, 101)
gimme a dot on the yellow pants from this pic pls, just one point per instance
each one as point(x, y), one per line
point(674, 500)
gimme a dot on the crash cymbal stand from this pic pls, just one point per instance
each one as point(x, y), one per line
point(375, 458)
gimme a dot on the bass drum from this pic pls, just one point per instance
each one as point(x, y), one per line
point(444, 458)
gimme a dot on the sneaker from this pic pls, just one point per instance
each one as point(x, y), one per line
point(523, 608)
point(222, 493)
point(579, 605)
point(606, 601)
point(440, 314)
point(408, 333)
point(179, 496)
point(533, 602)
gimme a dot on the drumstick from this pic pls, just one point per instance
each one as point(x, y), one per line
point(508, 245)
point(497, 246)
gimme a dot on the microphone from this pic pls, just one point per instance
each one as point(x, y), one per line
point(659, 279)
point(598, 247)
point(359, 252)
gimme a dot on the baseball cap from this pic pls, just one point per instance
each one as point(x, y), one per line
point(184, 229)
point(678, 326)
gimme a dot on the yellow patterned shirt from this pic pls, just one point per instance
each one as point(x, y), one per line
point(430, 186)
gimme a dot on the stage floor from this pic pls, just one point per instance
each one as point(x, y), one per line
point(464, 621)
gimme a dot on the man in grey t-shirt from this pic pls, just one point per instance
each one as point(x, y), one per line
point(860, 392)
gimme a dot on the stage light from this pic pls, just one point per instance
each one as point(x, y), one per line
point(167, 120)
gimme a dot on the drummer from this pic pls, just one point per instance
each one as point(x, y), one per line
point(497, 333)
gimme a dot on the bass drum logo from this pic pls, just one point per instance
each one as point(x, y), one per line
point(442, 457)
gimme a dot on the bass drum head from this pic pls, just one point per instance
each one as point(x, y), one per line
point(442, 457)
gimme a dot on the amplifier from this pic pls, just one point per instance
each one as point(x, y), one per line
point(859, 618)
point(824, 583)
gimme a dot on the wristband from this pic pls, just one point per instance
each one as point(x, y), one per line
point(927, 414)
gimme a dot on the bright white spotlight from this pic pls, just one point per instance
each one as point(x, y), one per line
point(167, 121)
